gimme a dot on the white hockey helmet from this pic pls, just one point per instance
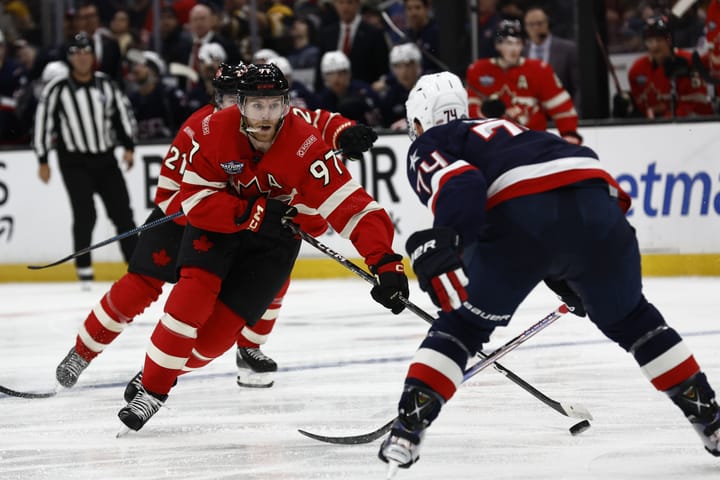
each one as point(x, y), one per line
point(435, 99)
point(264, 55)
point(405, 53)
point(283, 64)
point(335, 61)
point(210, 53)
point(55, 69)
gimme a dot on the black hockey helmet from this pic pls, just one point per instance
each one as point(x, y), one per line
point(509, 28)
point(657, 26)
point(266, 80)
point(227, 77)
point(80, 41)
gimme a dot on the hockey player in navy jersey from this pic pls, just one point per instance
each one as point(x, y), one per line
point(514, 207)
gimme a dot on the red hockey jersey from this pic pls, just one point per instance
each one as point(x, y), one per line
point(299, 168)
point(651, 89)
point(530, 91)
point(174, 164)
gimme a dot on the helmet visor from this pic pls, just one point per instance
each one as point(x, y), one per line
point(264, 108)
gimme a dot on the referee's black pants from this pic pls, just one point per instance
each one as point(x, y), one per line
point(84, 175)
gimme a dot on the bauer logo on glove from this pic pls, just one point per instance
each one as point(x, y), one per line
point(435, 257)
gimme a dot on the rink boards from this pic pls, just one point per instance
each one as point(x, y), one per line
point(672, 172)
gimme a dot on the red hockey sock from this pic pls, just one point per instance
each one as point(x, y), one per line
point(127, 298)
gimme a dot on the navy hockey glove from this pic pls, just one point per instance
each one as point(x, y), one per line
point(391, 283)
point(355, 140)
point(569, 298)
point(435, 257)
point(267, 216)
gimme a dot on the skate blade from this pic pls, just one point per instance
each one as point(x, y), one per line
point(392, 470)
point(123, 431)
point(255, 379)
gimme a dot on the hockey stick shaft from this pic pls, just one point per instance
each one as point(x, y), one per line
point(19, 394)
point(469, 373)
point(134, 231)
point(568, 410)
point(404, 37)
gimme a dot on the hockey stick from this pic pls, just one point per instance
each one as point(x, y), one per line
point(469, 373)
point(15, 393)
point(404, 37)
point(85, 250)
point(567, 409)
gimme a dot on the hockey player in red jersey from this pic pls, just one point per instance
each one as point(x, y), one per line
point(662, 83)
point(153, 263)
point(524, 90)
point(497, 191)
point(255, 168)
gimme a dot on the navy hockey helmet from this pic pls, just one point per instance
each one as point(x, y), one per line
point(657, 26)
point(80, 41)
point(509, 28)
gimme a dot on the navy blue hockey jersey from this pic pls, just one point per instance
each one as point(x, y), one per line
point(465, 167)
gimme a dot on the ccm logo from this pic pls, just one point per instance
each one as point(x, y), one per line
point(422, 249)
point(256, 218)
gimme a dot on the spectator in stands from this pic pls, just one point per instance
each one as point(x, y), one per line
point(107, 51)
point(422, 30)
point(121, 31)
point(406, 67)
point(304, 55)
point(300, 95)
point(363, 44)
point(560, 53)
point(12, 77)
point(350, 97)
point(202, 21)
point(176, 40)
point(662, 83)
point(156, 107)
point(488, 20)
point(210, 57)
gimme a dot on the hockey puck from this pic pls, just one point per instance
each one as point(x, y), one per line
point(580, 427)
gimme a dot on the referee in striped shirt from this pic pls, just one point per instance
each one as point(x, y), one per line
point(82, 116)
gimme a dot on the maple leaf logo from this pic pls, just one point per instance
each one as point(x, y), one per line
point(202, 244)
point(161, 258)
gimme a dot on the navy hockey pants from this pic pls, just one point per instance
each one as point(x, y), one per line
point(576, 233)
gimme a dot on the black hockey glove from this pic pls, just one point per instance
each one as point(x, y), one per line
point(435, 257)
point(492, 108)
point(392, 283)
point(267, 216)
point(355, 140)
point(675, 66)
point(569, 298)
point(623, 106)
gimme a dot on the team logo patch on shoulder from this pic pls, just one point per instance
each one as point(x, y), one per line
point(233, 167)
point(486, 80)
point(306, 144)
point(206, 125)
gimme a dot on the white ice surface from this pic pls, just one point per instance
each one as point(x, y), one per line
point(342, 361)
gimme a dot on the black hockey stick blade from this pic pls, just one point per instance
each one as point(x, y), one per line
point(116, 238)
point(352, 439)
point(15, 393)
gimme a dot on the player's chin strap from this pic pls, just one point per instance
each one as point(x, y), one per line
point(569, 410)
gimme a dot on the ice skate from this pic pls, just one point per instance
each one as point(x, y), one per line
point(140, 409)
point(401, 448)
point(255, 369)
point(418, 407)
point(134, 386)
point(70, 368)
point(696, 399)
